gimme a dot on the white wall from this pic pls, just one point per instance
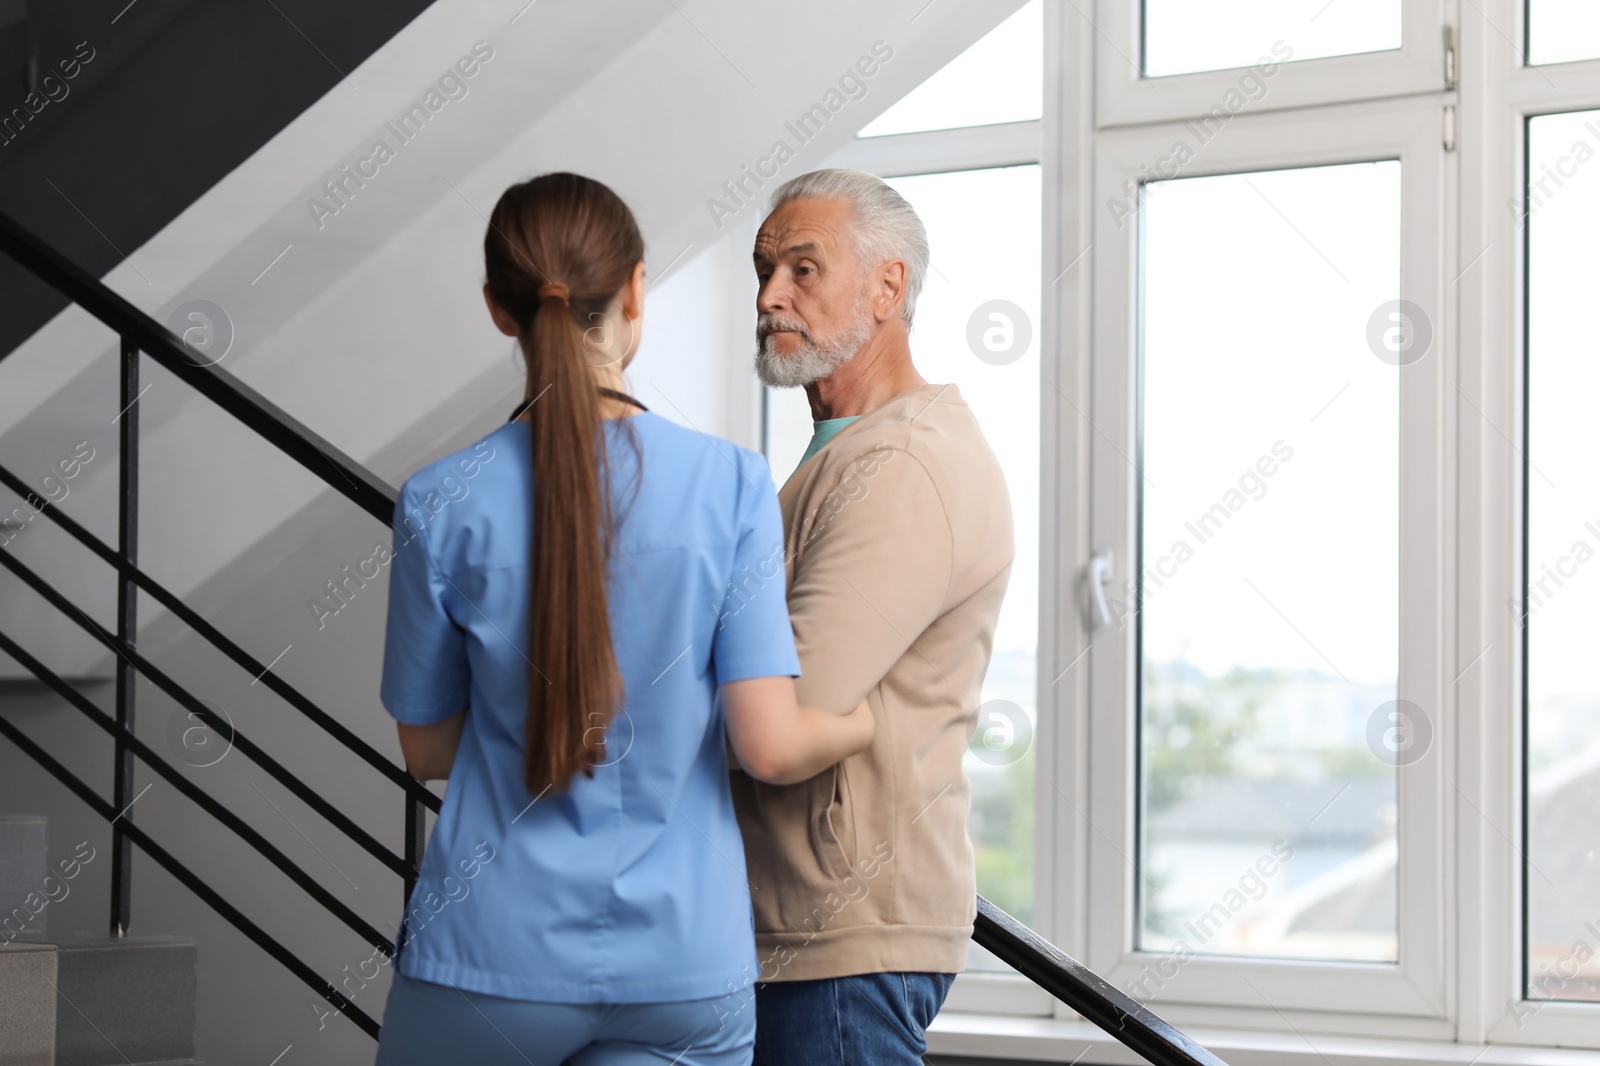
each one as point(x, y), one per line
point(371, 331)
point(368, 326)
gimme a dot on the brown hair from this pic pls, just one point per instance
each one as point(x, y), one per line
point(558, 250)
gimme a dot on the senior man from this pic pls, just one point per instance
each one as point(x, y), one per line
point(898, 544)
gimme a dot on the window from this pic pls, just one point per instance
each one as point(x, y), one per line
point(1264, 819)
point(1561, 606)
point(1184, 59)
point(1186, 36)
point(1313, 738)
point(1561, 31)
point(999, 79)
point(1267, 618)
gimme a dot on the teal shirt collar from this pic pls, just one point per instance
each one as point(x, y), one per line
point(823, 432)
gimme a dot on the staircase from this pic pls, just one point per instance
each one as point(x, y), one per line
point(133, 669)
point(120, 635)
point(153, 992)
point(78, 999)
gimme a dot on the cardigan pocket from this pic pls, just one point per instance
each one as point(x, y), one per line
point(833, 831)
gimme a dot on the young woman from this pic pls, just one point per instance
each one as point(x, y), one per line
point(586, 609)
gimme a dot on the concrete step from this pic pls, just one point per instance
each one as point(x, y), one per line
point(24, 861)
point(121, 1001)
point(28, 978)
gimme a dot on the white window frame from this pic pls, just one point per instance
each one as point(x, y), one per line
point(1497, 103)
point(1464, 962)
point(1127, 97)
point(1349, 133)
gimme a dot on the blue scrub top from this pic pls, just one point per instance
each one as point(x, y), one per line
point(631, 887)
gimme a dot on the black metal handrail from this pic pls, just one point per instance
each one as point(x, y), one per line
point(210, 896)
point(1008, 939)
point(249, 663)
point(140, 334)
point(1085, 991)
point(196, 794)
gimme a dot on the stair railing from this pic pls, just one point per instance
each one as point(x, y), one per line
point(995, 930)
point(138, 334)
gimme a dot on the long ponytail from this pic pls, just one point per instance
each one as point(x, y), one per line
point(558, 249)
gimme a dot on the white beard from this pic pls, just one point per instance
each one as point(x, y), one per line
point(814, 359)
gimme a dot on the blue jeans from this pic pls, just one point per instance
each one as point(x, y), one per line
point(425, 1024)
point(873, 1019)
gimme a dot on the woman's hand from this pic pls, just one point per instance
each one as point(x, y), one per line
point(780, 741)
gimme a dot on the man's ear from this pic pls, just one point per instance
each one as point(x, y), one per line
point(890, 290)
point(502, 321)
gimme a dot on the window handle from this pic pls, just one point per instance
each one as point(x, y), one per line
point(1096, 574)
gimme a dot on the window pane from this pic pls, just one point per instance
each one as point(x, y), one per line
point(1562, 606)
point(1268, 604)
point(1185, 36)
point(1561, 31)
point(999, 79)
point(984, 230)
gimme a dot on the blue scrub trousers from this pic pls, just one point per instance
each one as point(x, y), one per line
point(425, 1024)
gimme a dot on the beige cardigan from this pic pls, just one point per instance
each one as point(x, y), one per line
point(898, 543)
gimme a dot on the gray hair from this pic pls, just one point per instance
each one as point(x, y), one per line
point(888, 227)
